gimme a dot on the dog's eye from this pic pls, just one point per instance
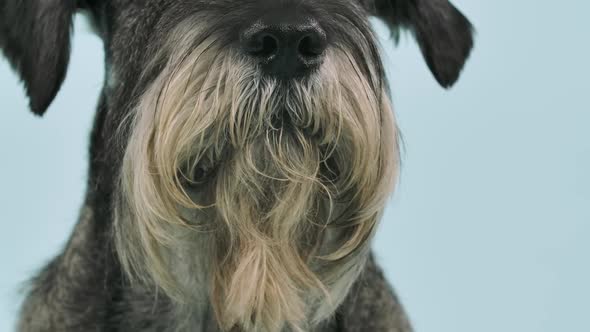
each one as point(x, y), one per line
point(194, 176)
point(202, 173)
point(329, 171)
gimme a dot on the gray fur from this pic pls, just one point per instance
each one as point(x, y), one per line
point(83, 288)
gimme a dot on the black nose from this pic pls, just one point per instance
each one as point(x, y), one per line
point(285, 50)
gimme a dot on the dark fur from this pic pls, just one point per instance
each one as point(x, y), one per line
point(83, 288)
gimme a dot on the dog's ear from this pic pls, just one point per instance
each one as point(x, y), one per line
point(35, 37)
point(444, 34)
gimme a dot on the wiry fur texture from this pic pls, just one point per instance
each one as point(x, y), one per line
point(283, 181)
point(221, 198)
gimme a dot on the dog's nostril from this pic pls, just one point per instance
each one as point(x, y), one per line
point(263, 45)
point(311, 46)
point(270, 45)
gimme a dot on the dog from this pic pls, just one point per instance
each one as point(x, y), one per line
point(242, 154)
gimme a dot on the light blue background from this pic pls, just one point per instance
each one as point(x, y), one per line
point(489, 229)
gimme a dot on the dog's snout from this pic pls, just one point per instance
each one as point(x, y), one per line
point(285, 50)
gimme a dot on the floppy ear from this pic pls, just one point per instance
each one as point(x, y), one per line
point(35, 37)
point(445, 36)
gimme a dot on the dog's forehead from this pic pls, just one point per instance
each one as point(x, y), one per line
point(227, 7)
point(230, 2)
point(127, 19)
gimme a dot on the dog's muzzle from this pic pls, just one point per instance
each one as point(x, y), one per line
point(284, 44)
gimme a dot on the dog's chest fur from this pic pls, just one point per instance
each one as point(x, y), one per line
point(82, 290)
point(145, 310)
point(191, 264)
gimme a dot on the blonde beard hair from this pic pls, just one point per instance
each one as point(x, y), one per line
point(294, 179)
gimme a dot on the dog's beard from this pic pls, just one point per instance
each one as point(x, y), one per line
point(286, 180)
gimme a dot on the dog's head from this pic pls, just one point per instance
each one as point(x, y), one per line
point(263, 123)
point(35, 35)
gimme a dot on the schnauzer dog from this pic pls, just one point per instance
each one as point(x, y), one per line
point(242, 155)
